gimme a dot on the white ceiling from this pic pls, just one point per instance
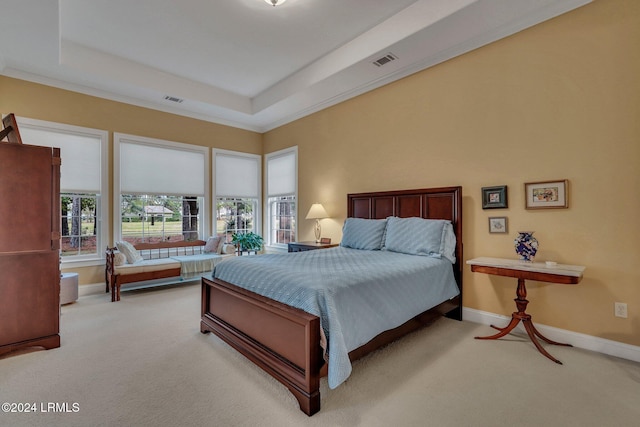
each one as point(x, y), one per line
point(244, 63)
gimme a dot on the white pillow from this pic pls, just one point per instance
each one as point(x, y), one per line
point(129, 252)
point(119, 259)
point(214, 245)
point(227, 248)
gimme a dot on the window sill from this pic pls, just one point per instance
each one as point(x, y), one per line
point(89, 262)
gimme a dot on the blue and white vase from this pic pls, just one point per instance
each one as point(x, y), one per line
point(526, 245)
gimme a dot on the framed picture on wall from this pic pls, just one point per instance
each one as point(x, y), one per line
point(498, 224)
point(494, 197)
point(547, 194)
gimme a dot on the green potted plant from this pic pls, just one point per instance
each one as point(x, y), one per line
point(247, 241)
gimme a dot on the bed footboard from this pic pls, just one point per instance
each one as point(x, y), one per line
point(247, 321)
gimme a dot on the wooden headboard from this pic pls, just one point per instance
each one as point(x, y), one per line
point(429, 203)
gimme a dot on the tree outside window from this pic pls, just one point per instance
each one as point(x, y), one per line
point(235, 215)
point(158, 218)
point(78, 213)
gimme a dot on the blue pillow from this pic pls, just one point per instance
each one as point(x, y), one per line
point(359, 233)
point(448, 246)
point(419, 236)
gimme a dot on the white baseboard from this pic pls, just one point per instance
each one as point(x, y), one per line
point(91, 289)
point(587, 342)
point(99, 288)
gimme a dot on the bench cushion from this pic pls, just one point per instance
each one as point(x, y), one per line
point(189, 264)
point(148, 265)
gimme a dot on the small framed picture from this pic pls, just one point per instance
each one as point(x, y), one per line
point(498, 224)
point(494, 197)
point(547, 194)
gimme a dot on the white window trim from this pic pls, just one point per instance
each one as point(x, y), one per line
point(118, 138)
point(268, 244)
point(257, 220)
point(103, 235)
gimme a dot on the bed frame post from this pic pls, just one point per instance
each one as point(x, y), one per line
point(293, 356)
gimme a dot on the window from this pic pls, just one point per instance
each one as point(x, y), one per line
point(235, 216)
point(237, 192)
point(83, 185)
point(161, 189)
point(79, 224)
point(282, 188)
point(152, 218)
point(282, 219)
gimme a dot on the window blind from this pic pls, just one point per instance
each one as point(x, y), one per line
point(155, 169)
point(237, 175)
point(281, 174)
point(80, 154)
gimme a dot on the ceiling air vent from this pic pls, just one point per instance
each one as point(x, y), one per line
point(173, 99)
point(385, 59)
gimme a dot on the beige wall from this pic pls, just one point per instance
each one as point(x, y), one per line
point(46, 103)
point(559, 100)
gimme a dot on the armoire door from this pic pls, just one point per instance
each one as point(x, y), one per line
point(29, 246)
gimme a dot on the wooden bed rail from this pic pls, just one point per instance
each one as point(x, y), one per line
point(292, 356)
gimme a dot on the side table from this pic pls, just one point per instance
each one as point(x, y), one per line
point(308, 246)
point(523, 270)
point(68, 288)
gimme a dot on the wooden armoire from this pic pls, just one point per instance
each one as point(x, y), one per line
point(29, 246)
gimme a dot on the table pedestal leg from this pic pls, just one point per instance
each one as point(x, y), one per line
point(521, 315)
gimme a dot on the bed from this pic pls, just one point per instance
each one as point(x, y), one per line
point(288, 342)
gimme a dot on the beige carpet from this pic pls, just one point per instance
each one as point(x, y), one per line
point(143, 362)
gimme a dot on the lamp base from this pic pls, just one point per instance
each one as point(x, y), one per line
point(317, 230)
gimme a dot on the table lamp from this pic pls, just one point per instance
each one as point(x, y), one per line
point(317, 212)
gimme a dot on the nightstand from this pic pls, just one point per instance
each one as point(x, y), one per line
point(309, 246)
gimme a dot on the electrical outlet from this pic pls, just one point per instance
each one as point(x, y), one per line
point(620, 309)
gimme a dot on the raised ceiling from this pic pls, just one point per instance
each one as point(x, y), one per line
point(244, 63)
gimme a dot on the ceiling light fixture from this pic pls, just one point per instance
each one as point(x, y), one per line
point(275, 2)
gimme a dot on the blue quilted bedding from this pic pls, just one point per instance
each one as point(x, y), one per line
point(357, 294)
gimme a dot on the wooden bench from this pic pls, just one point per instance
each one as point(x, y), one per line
point(157, 263)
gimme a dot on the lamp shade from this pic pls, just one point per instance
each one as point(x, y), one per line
point(275, 2)
point(317, 211)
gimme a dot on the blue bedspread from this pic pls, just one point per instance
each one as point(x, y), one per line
point(357, 294)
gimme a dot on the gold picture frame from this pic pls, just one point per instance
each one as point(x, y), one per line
point(547, 194)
